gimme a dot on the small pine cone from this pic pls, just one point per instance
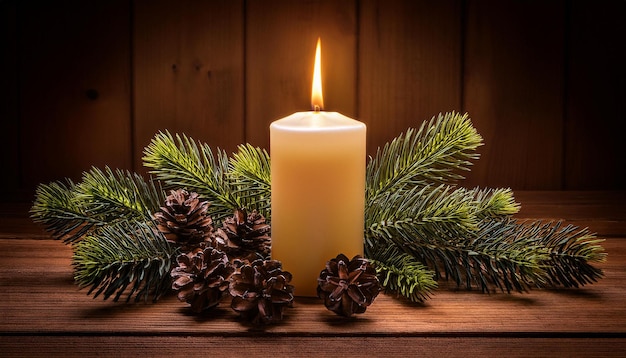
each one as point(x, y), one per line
point(261, 291)
point(243, 234)
point(348, 286)
point(201, 277)
point(184, 219)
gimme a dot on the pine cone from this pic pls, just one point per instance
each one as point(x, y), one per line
point(243, 234)
point(184, 219)
point(348, 286)
point(261, 291)
point(201, 277)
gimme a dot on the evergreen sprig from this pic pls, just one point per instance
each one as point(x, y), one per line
point(183, 163)
point(419, 226)
point(251, 175)
point(70, 211)
point(130, 258)
point(433, 154)
point(58, 210)
point(120, 195)
point(571, 252)
point(402, 273)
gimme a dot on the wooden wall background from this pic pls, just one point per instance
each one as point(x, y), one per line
point(90, 82)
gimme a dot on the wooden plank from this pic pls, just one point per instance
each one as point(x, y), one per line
point(9, 125)
point(513, 90)
point(74, 89)
point(280, 50)
point(603, 213)
point(45, 314)
point(188, 72)
point(596, 93)
point(21, 346)
point(409, 64)
point(40, 271)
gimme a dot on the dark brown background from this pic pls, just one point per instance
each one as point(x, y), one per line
point(90, 82)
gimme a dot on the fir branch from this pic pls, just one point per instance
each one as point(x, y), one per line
point(182, 163)
point(433, 154)
point(571, 253)
point(61, 213)
point(401, 273)
point(503, 255)
point(439, 228)
point(432, 224)
point(117, 196)
point(440, 210)
point(493, 202)
point(123, 256)
point(251, 173)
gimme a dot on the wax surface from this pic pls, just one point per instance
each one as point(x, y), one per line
point(318, 192)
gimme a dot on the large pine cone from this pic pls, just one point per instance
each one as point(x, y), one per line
point(348, 286)
point(261, 291)
point(243, 234)
point(201, 277)
point(184, 219)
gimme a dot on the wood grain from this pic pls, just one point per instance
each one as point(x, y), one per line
point(280, 51)
point(513, 90)
point(44, 313)
point(281, 346)
point(448, 312)
point(188, 72)
point(74, 92)
point(90, 83)
point(409, 65)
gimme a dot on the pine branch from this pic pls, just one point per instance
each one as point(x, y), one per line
point(441, 228)
point(401, 273)
point(181, 163)
point(439, 210)
point(117, 196)
point(503, 255)
point(61, 213)
point(433, 154)
point(70, 211)
point(571, 252)
point(250, 171)
point(493, 203)
point(125, 258)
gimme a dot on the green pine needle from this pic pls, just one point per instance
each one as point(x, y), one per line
point(401, 273)
point(251, 174)
point(119, 195)
point(124, 258)
point(70, 211)
point(181, 163)
point(433, 154)
point(61, 213)
point(571, 252)
point(493, 203)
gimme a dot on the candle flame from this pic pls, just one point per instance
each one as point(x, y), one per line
point(317, 100)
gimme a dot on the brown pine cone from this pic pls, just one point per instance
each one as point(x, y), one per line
point(243, 234)
point(184, 219)
point(261, 291)
point(348, 286)
point(201, 277)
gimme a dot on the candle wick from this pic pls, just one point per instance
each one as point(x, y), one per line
point(316, 108)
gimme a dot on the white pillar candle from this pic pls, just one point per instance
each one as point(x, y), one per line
point(318, 191)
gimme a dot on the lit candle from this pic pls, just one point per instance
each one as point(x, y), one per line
point(318, 188)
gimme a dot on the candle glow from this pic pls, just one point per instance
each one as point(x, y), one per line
point(317, 99)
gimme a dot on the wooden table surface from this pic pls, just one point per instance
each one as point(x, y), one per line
point(43, 313)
